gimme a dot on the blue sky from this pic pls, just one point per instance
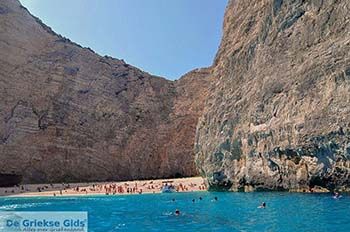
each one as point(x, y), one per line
point(163, 37)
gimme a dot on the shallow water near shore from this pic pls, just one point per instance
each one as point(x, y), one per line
point(232, 211)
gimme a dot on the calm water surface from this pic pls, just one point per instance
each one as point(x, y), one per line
point(232, 211)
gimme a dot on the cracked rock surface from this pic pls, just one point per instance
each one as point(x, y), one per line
point(278, 113)
point(68, 114)
point(272, 113)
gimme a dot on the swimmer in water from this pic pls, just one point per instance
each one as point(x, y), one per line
point(215, 199)
point(262, 206)
point(200, 198)
point(177, 212)
point(336, 195)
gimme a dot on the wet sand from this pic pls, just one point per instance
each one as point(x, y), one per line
point(190, 184)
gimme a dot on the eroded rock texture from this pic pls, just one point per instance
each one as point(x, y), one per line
point(68, 114)
point(278, 116)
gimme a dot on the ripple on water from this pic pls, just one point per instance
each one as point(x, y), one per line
point(23, 206)
point(232, 212)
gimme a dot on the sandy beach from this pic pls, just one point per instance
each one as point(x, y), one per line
point(190, 184)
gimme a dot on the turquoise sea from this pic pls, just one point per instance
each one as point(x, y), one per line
point(231, 212)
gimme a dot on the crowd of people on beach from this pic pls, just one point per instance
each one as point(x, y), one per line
point(113, 188)
point(135, 188)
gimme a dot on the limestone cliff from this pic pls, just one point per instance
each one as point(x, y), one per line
point(68, 114)
point(278, 116)
point(276, 113)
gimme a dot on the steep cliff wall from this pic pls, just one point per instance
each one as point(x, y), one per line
point(278, 114)
point(68, 114)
